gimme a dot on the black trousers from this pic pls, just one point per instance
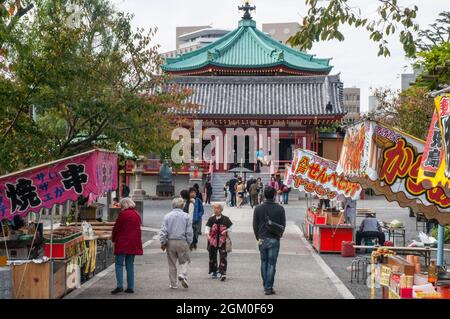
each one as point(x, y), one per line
point(233, 199)
point(208, 198)
point(222, 267)
point(370, 234)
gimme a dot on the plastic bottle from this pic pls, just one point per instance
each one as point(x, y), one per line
point(432, 273)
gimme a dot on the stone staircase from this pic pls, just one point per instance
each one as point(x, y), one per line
point(219, 180)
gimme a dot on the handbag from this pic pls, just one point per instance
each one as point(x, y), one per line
point(228, 245)
point(274, 228)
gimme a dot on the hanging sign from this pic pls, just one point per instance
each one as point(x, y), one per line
point(435, 166)
point(316, 175)
point(392, 169)
point(89, 174)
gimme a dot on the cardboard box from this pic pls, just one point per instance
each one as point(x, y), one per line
point(405, 267)
point(335, 218)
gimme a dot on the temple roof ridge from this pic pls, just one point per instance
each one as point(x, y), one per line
point(247, 48)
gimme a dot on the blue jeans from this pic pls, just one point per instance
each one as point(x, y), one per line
point(285, 198)
point(129, 265)
point(269, 249)
point(196, 227)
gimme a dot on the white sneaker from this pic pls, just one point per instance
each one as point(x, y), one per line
point(213, 275)
point(219, 275)
point(183, 281)
point(173, 287)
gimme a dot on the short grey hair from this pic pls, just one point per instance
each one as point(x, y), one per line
point(218, 205)
point(178, 203)
point(126, 203)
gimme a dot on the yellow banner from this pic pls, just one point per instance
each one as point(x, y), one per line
point(434, 169)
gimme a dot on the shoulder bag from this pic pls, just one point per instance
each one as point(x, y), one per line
point(273, 228)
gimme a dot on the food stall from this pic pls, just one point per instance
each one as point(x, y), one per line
point(388, 161)
point(316, 176)
point(51, 266)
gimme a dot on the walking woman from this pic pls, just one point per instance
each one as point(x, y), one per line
point(218, 227)
point(240, 189)
point(260, 190)
point(227, 194)
point(188, 203)
point(126, 236)
point(274, 184)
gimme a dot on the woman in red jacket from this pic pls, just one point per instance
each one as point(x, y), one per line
point(126, 236)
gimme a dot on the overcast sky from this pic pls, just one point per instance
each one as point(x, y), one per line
point(355, 59)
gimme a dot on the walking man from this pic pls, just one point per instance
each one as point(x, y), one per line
point(232, 182)
point(175, 237)
point(269, 221)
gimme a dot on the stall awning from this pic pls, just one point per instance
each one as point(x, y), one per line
point(89, 174)
point(317, 176)
point(387, 160)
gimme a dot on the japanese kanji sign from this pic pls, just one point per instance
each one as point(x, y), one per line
point(316, 175)
point(393, 169)
point(435, 166)
point(89, 174)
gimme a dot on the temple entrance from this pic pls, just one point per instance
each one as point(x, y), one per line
point(245, 158)
point(286, 148)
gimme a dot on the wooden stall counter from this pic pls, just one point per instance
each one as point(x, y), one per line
point(32, 280)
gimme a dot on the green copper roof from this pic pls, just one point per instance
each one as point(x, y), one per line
point(247, 47)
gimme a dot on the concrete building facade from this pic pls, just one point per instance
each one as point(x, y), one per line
point(281, 32)
point(352, 104)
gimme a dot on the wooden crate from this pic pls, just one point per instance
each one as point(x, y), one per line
point(36, 280)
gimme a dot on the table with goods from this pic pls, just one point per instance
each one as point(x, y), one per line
point(406, 277)
point(76, 251)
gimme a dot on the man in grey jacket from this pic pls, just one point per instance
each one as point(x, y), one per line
point(176, 236)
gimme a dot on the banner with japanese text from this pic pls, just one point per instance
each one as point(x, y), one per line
point(435, 166)
point(392, 169)
point(89, 175)
point(317, 176)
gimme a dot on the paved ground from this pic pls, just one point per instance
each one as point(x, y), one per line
point(298, 276)
point(302, 273)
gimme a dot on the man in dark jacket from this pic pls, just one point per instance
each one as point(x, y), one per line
point(269, 244)
point(250, 182)
point(232, 182)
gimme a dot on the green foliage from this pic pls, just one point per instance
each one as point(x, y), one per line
point(438, 32)
point(434, 233)
point(92, 79)
point(410, 111)
point(435, 63)
point(325, 22)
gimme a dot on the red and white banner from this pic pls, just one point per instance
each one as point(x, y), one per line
point(90, 175)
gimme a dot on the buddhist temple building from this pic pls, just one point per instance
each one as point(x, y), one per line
point(247, 79)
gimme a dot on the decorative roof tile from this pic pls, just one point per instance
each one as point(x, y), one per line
point(253, 96)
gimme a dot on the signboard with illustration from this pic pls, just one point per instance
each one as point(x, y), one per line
point(90, 174)
point(392, 169)
point(317, 176)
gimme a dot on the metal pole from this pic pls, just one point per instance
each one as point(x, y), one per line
point(51, 255)
point(108, 204)
point(440, 248)
point(76, 213)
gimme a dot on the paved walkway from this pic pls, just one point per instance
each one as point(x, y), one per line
point(301, 273)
